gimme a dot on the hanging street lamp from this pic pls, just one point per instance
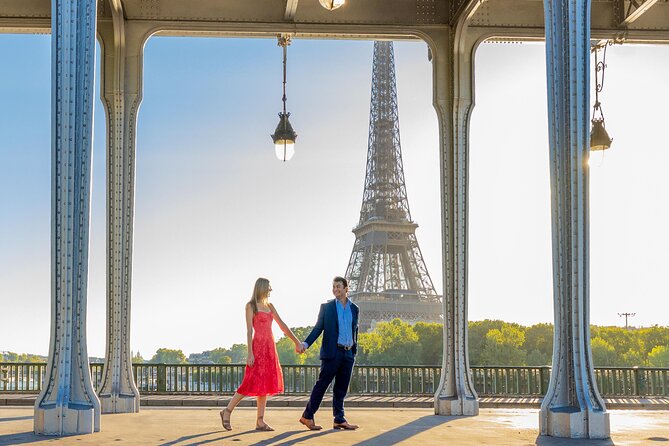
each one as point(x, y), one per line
point(599, 137)
point(331, 4)
point(284, 136)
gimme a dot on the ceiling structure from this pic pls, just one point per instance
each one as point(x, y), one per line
point(638, 20)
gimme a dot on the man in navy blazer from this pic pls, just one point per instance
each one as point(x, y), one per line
point(338, 321)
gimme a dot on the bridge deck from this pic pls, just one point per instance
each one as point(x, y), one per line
point(379, 427)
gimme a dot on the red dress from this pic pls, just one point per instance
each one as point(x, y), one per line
point(265, 377)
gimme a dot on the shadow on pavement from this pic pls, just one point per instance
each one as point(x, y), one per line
point(27, 417)
point(277, 440)
point(24, 438)
point(406, 431)
point(300, 439)
point(190, 437)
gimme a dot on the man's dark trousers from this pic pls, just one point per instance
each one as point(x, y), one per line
point(339, 368)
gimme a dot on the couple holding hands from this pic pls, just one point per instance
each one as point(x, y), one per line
point(337, 320)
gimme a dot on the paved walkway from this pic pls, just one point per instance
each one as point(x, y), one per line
point(353, 401)
point(403, 426)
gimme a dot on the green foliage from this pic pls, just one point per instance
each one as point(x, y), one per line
point(491, 342)
point(477, 338)
point(168, 356)
point(431, 340)
point(504, 346)
point(137, 358)
point(220, 356)
point(368, 343)
point(539, 344)
point(286, 348)
point(631, 358)
point(287, 354)
point(659, 356)
point(395, 343)
point(603, 353)
point(238, 353)
point(537, 358)
point(21, 357)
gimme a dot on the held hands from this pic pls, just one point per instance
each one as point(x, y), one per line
point(299, 348)
point(250, 359)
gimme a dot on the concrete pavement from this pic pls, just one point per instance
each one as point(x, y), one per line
point(380, 426)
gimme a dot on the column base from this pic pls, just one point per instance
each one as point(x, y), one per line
point(571, 422)
point(456, 406)
point(119, 404)
point(60, 420)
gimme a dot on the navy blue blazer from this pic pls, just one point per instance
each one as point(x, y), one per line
point(328, 324)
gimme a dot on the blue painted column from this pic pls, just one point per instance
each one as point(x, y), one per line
point(572, 406)
point(68, 404)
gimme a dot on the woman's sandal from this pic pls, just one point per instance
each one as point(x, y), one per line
point(265, 427)
point(224, 421)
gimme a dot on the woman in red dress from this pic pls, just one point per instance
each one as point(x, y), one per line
point(263, 375)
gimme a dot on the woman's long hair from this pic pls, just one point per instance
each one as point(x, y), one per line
point(260, 291)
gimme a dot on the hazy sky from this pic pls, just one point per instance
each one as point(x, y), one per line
point(215, 209)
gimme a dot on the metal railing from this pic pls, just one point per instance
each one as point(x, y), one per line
point(366, 380)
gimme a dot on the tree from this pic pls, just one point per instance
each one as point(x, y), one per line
point(539, 344)
point(477, 338)
point(286, 348)
point(238, 353)
point(21, 358)
point(503, 347)
point(632, 358)
point(431, 340)
point(220, 356)
point(313, 354)
point(287, 354)
point(369, 345)
point(137, 358)
point(399, 344)
point(659, 356)
point(620, 339)
point(603, 354)
point(538, 358)
point(168, 356)
point(11, 357)
point(652, 337)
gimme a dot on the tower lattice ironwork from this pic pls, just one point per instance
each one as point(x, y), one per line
point(386, 272)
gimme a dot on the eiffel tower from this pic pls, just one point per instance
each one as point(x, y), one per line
point(386, 272)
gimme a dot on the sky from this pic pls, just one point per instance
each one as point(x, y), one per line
point(215, 209)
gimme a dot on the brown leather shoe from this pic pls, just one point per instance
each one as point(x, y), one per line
point(345, 425)
point(311, 424)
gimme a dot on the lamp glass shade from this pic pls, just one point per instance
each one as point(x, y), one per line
point(284, 138)
point(331, 4)
point(599, 137)
point(284, 150)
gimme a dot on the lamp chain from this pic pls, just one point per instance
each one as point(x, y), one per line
point(284, 41)
point(600, 67)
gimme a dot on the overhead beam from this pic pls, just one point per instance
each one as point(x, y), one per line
point(634, 9)
point(291, 9)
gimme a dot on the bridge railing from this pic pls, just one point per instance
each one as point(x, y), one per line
point(366, 380)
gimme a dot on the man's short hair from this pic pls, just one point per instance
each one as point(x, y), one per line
point(342, 280)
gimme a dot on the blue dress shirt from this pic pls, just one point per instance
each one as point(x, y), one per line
point(345, 319)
